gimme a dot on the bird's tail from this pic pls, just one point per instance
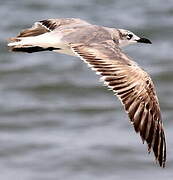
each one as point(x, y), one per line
point(31, 41)
point(29, 44)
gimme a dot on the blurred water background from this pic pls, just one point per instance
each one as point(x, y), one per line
point(57, 122)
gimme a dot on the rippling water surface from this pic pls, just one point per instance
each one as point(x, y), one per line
point(56, 120)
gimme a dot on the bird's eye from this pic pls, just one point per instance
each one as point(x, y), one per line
point(129, 36)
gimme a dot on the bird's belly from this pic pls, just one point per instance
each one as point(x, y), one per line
point(65, 50)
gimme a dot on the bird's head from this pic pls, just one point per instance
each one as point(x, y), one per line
point(126, 37)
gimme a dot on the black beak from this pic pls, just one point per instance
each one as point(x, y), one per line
point(144, 40)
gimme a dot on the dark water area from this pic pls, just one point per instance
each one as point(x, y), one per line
point(57, 121)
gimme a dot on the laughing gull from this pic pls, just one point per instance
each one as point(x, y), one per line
point(99, 47)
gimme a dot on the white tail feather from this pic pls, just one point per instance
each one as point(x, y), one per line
point(44, 40)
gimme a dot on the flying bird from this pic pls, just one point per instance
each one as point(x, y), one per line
point(100, 48)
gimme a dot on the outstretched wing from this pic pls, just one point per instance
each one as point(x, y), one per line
point(134, 88)
point(49, 25)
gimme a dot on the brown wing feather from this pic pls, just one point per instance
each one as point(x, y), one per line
point(135, 89)
point(35, 30)
point(48, 25)
point(52, 24)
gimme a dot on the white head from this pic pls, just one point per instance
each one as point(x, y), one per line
point(126, 37)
